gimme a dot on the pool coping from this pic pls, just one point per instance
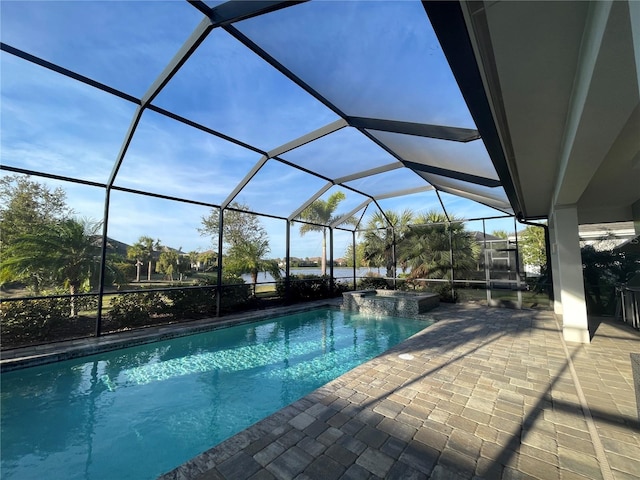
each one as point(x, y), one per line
point(31, 356)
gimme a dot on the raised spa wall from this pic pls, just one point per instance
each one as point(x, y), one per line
point(389, 302)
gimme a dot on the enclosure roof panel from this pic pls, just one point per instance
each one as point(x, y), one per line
point(270, 104)
point(81, 143)
point(176, 160)
point(339, 154)
point(225, 86)
point(370, 59)
point(122, 44)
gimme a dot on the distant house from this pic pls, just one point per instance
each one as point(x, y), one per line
point(606, 236)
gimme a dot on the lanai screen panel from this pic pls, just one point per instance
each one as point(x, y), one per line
point(344, 152)
point(351, 203)
point(417, 203)
point(385, 183)
point(174, 224)
point(122, 44)
point(493, 197)
point(370, 59)
point(176, 160)
point(460, 207)
point(56, 125)
point(468, 157)
point(227, 87)
point(278, 189)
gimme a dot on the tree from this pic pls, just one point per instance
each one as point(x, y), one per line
point(193, 259)
point(247, 256)
point(532, 246)
point(208, 260)
point(167, 263)
point(238, 225)
point(26, 205)
point(500, 234)
point(171, 262)
point(430, 242)
point(244, 239)
point(382, 230)
point(348, 255)
point(142, 251)
point(321, 214)
point(65, 253)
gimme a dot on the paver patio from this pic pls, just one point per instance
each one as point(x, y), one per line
point(483, 393)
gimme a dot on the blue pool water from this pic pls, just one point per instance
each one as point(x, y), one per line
point(138, 412)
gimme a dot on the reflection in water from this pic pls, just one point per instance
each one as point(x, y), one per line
point(138, 412)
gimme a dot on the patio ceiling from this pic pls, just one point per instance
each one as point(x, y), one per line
point(366, 104)
point(563, 81)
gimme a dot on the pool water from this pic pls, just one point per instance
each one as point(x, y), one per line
point(138, 412)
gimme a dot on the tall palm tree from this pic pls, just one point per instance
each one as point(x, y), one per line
point(321, 213)
point(68, 252)
point(382, 230)
point(430, 242)
point(142, 251)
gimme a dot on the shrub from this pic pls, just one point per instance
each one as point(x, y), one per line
point(136, 309)
point(29, 321)
point(373, 281)
point(306, 287)
point(186, 303)
point(235, 293)
point(444, 291)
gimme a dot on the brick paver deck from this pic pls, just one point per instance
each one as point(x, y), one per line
point(482, 393)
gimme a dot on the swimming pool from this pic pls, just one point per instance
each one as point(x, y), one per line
point(139, 412)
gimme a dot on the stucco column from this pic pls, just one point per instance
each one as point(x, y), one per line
point(555, 275)
point(635, 211)
point(566, 244)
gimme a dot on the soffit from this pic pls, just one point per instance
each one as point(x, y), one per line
point(565, 78)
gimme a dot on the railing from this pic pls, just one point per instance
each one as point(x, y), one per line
point(628, 306)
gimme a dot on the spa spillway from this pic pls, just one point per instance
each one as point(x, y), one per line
point(389, 302)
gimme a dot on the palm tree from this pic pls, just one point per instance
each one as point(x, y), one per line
point(382, 230)
point(430, 242)
point(248, 257)
point(320, 212)
point(67, 253)
point(142, 251)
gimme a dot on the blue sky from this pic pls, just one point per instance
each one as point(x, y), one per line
point(53, 124)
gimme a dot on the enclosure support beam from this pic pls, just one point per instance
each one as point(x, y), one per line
point(247, 178)
point(518, 272)
point(442, 132)
point(406, 191)
point(487, 274)
point(287, 263)
point(393, 256)
point(219, 277)
point(368, 173)
point(103, 261)
point(347, 216)
point(331, 261)
point(302, 207)
point(309, 137)
point(355, 259)
point(453, 292)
